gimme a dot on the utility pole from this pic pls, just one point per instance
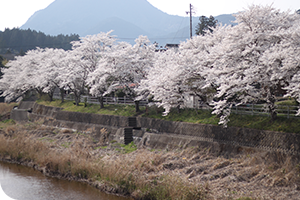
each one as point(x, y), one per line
point(191, 20)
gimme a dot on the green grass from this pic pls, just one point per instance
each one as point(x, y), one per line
point(281, 124)
point(185, 115)
point(123, 148)
point(9, 121)
point(6, 123)
point(66, 144)
point(47, 139)
point(109, 109)
point(288, 102)
point(131, 147)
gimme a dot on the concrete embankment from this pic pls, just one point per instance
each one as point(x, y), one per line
point(155, 133)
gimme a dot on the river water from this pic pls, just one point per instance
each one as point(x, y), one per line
point(24, 183)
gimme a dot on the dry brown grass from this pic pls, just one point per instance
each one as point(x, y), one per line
point(6, 108)
point(136, 173)
point(191, 173)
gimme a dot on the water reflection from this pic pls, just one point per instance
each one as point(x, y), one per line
point(23, 183)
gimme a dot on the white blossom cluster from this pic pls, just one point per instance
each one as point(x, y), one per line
point(249, 62)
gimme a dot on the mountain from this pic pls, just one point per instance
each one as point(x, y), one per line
point(128, 19)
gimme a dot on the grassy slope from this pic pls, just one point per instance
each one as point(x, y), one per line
point(282, 124)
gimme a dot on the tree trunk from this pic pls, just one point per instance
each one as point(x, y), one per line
point(271, 105)
point(272, 110)
point(100, 99)
point(137, 106)
point(273, 115)
point(77, 98)
point(62, 95)
point(178, 109)
point(50, 95)
point(40, 93)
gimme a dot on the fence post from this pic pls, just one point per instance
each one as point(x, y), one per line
point(288, 111)
point(252, 109)
point(236, 109)
point(124, 99)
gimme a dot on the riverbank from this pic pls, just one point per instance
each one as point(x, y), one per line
point(190, 173)
point(24, 183)
point(63, 153)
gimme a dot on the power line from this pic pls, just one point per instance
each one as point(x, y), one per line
point(178, 29)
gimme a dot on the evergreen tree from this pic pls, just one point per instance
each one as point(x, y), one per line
point(1, 65)
point(18, 40)
point(205, 24)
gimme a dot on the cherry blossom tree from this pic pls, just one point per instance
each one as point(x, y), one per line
point(163, 81)
point(181, 73)
point(249, 60)
point(83, 60)
point(53, 70)
point(23, 74)
point(140, 59)
point(291, 63)
point(124, 66)
point(103, 79)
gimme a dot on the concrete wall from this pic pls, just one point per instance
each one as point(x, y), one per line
point(19, 115)
point(108, 120)
point(170, 134)
point(286, 142)
point(26, 105)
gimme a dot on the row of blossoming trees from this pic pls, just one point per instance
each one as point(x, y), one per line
point(233, 65)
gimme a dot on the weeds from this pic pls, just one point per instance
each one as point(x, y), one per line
point(6, 108)
point(76, 159)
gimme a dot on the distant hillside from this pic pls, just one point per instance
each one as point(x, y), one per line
point(19, 41)
point(128, 19)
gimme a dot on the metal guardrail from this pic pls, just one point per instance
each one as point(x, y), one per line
point(245, 109)
point(259, 109)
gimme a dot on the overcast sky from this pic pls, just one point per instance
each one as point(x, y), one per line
point(14, 13)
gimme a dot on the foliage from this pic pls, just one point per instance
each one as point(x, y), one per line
point(19, 41)
point(1, 65)
point(206, 24)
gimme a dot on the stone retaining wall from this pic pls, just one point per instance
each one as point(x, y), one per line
point(167, 133)
point(285, 142)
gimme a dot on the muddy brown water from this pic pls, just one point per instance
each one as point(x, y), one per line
point(24, 183)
